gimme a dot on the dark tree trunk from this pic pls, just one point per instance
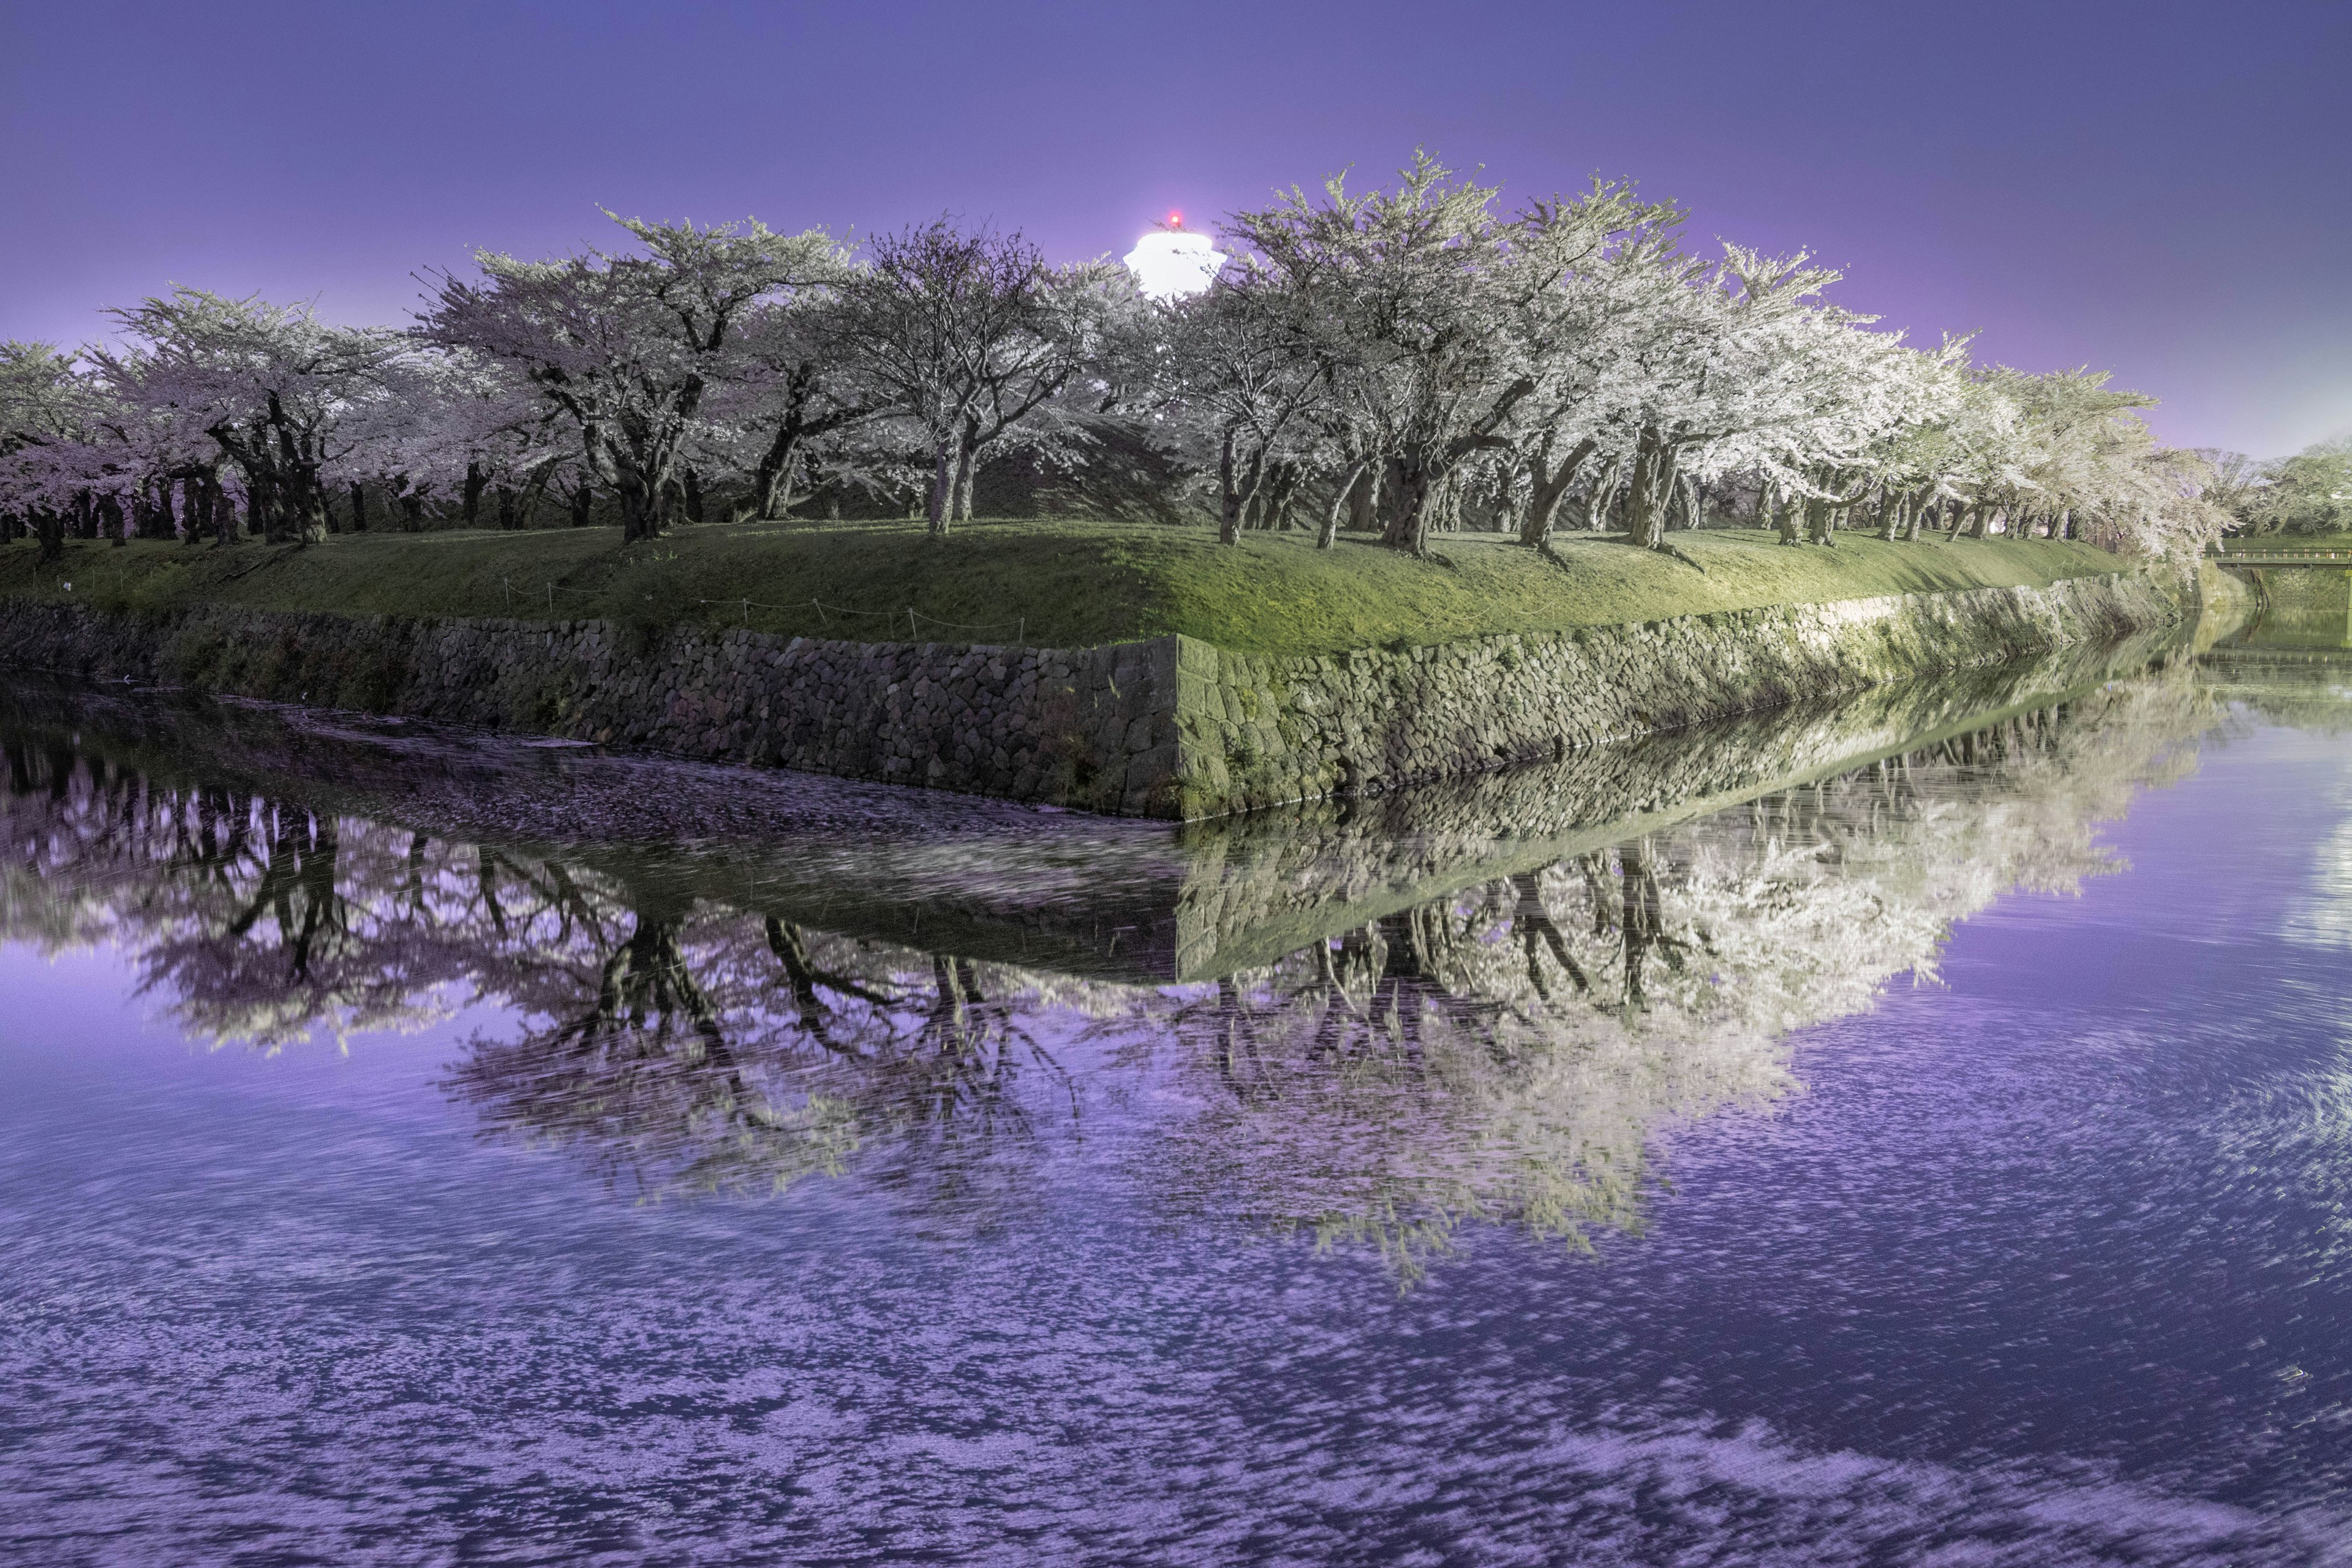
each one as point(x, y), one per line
point(309, 519)
point(1817, 520)
point(772, 481)
point(50, 526)
point(1547, 488)
point(470, 506)
point(1277, 485)
point(584, 504)
point(293, 511)
point(533, 489)
point(219, 516)
point(693, 489)
point(1683, 504)
point(507, 523)
point(938, 507)
point(152, 511)
point(1653, 481)
point(359, 507)
point(639, 508)
point(110, 520)
point(1408, 484)
point(1603, 500)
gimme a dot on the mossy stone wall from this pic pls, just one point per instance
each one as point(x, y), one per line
point(1258, 731)
point(1170, 726)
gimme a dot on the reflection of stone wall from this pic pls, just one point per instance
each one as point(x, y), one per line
point(2227, 595)
point(1170, 726)
point(1261, 884)
point(2310, 606)
point(1074, 894)
point(2304, 590)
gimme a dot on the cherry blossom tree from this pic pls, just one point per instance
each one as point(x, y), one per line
point(627, 346)
point(790, 390)
point(50, 435)
point(448, 425)
point(966, 336)
point(2310, 492)
point(1406, 360)
point(269, 385)
point(1240, 361)
point(1404, 286)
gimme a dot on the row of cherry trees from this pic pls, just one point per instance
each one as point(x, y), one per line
point(1402, 362)
point(2307, 493)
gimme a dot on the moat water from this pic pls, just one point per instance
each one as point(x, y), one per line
point(1918, 1129)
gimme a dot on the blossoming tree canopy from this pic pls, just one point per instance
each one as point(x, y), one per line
point(1400, 360)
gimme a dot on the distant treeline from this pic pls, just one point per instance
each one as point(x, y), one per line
point(1399, 362)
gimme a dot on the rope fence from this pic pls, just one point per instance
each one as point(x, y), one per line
point(916, 620)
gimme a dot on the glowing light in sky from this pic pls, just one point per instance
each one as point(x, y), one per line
point(1171, 262)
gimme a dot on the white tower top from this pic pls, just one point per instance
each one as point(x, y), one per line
point(1172, 262)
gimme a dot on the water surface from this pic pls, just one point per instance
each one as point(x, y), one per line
point(1910, 1130)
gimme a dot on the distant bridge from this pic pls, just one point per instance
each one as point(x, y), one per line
point(2305, 593)
point(2280, 555)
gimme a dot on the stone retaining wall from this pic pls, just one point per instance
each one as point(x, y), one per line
point(1168, 726)
point(1257, 731)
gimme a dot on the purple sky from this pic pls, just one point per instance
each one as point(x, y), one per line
point(2163, 190)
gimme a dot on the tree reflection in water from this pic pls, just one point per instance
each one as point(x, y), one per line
point(1508, 1052)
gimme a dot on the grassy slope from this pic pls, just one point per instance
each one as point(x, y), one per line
point(1056, 583)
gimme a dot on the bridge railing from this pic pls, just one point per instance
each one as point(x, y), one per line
point(2233, 553)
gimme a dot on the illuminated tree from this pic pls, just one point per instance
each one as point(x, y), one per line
point(969, 339)
point(626, 346)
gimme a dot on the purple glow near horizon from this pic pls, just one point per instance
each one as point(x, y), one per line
point(2155, 189)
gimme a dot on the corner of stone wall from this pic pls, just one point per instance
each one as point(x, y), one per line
point(1146, 756)
point(1249, 731)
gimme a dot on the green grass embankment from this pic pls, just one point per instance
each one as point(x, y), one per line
point(1056, 584)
